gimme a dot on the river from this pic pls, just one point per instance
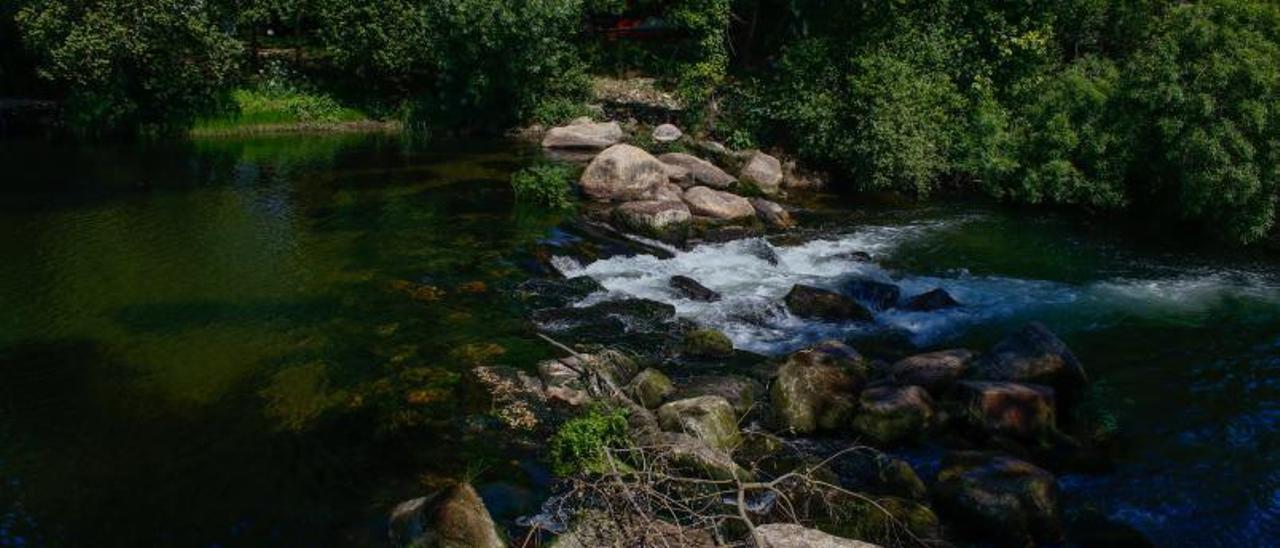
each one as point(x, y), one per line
point(251, 341)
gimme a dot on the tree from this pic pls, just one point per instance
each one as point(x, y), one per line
point(1206, 90)
point(129, 65)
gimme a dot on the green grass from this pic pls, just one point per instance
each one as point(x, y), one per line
point(271, 109)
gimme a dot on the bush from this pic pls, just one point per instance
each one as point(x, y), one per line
point(580, 444)
point(544, 185)
point(462, 63)
point(130, 65)
point(1205, 92)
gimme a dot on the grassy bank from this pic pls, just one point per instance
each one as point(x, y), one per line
point(256, 111)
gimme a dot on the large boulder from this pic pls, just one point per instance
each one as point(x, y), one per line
point(1035, 355)
point(622, 173)
point(669, 192)
point(890, 415)
point(816, 388)
point(707, 343)
point(935, 371)
point(739, 391)
point(666, 221)
point(700, 171)
point(453, 517)
point(594, 136)
point(650, 388)
point(1000, 496)
point(689, 288)
point(877, 295)
point(811, 302)
point(1023, 411)
point(708, 418)
point(718, 204)
point(790, 535)
point(773, 214)
point(762, 171)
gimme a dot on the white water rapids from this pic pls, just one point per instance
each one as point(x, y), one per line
point(752, 314)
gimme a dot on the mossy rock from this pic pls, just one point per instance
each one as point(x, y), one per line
point(883, 522)
point(708, 418)
point(707, 343)
point(651, 388)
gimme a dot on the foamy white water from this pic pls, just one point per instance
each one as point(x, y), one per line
point(752, 313)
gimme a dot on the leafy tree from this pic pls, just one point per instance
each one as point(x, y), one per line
point(1066, 142)
point(130, 64)
point(1206, 90)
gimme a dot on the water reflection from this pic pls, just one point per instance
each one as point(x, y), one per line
point(203, 343)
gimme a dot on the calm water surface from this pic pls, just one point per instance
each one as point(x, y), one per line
point(214, 343)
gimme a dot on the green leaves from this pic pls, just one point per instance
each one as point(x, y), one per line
point(545, 185)
point(151, 65)
point(580, 444)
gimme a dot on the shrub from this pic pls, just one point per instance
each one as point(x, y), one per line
point(544, 185)
point(130, 65)
point(1205, 92)
point(580, 444)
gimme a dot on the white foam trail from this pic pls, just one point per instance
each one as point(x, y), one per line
point(752, 315)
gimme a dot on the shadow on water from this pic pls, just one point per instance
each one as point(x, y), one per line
point(209, 343)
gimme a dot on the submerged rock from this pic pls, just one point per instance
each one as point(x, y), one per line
point(700, 171)
point(877, 295)
point(815, 388)
point(449, 518)
point(790, 535)
point(1035, 355)
point(811, 302)
point(762, 171)
point(586, 135)
point(1000, 496)
point(890, 415)
point(627, 315)
point(622, 173)
point(935, 371)
point(707, 343)
point(650, 388)
point(548, 293)
point(708, 418)
point(1023, 411)
point(717, 204)
point(937, 299)
point(667, 133)
point(692, 290)
point(773, 214)
point(667, 221)
point(763, 250)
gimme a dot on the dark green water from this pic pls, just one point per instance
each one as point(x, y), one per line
point(202, 344)
point(215, 343)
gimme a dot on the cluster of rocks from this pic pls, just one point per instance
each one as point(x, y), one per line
point(1000, 419)
point(995, 414)
point(674, 195)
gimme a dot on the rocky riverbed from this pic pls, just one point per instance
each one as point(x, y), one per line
point(955, 444)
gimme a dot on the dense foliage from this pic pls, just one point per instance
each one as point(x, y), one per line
point(1159, 106)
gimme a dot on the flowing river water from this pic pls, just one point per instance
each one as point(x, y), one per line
point(255, 341)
